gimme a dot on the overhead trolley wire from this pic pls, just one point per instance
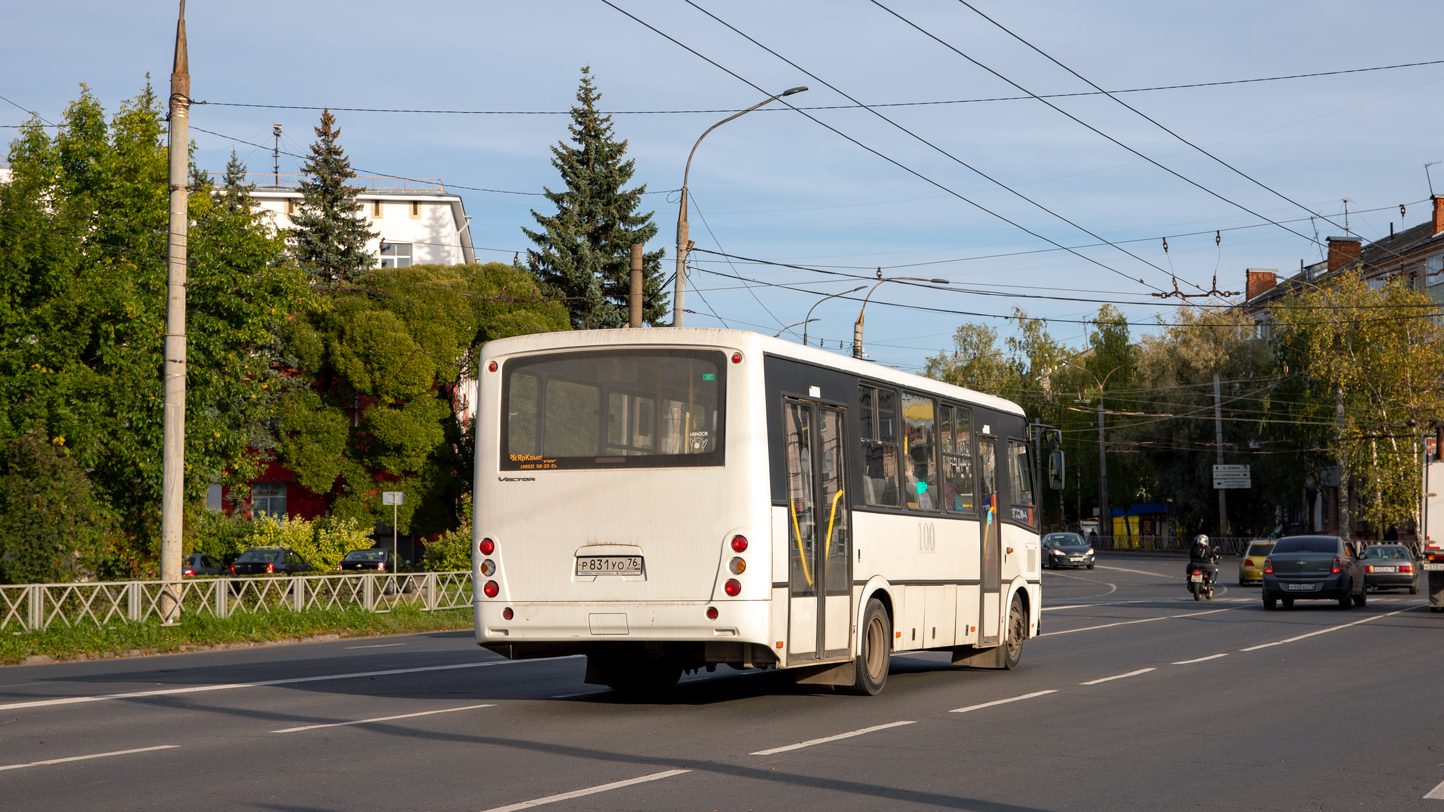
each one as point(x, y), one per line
point(879, 154)
point(1155, 122)
point(1180, 176)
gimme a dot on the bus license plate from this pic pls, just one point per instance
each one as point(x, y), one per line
point(609, 565)
point(1301, 587)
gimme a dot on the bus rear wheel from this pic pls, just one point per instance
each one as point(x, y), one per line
point(1017, 631)
point(872, 664)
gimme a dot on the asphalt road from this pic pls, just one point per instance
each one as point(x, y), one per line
point(1135, 697)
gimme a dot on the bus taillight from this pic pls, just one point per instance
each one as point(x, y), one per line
point(739, 544)
point(711, 613)
point(491, 589)
point(733, 587)
point(486, 546)
point(507, 614)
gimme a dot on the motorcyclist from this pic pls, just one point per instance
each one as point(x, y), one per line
point(1202, 556)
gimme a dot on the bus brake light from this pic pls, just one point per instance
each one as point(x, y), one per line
point(491, 589)
point(739, 544)
point(486, 546)
point(733, 587)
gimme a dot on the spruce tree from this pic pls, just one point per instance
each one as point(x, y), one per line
point(584, 250)
point(328, 235)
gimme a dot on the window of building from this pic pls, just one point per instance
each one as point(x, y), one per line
point(416, 209)
point(268, 499)
point(290, 208)
point(395, 255)
point(878, 410)
point(920, 449)
point(376, 209)
point(1434, 270)
point(956, 435)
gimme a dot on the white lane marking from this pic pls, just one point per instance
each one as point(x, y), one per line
point(84, 758)
point(1200, 659)
point(381, 719)
point(195, 689)
point(1135, 572)
point(566, 796)
point(1436, 794)
point(377, 645)
point(1111, 625)
point(1070, 606)
point(826, 739)
point(1001, 701)
point(1320, 631)
point(1118, 676)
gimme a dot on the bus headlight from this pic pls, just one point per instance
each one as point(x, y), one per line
point(737, 565)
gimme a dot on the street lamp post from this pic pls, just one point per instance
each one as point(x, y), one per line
point(1103, 512)
point(820, 301)
point(857, 326)
point(680, 286)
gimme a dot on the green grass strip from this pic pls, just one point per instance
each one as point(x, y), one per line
point(87, 641)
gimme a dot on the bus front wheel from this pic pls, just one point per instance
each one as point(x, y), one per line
point(1017, 631)
point(872, 664)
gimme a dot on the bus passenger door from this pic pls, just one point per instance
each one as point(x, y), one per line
point(819, 534)
point(988, 616)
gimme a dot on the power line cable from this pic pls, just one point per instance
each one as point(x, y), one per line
point(1187, 86)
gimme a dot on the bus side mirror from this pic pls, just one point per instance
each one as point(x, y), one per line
point(1055, 470)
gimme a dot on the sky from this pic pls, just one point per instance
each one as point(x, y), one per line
point(961, 181)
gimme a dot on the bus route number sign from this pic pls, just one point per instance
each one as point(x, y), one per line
point(609, 565)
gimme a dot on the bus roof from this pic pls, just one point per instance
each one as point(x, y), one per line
point(748, 342)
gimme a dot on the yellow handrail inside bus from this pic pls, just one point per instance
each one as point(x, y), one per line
point(797, 531)
point(832, 515)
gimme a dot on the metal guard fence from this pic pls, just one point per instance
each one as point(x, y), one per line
point(1235, 545)
point(32, 607)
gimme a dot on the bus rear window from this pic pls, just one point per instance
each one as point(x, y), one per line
point(614, 409)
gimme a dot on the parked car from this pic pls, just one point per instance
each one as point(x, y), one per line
point(1390, 566)
point(1066, 550)
point(379, 560)
point(1312, 568)
point(270, 561)
point(1250, 568)
point(200, 564)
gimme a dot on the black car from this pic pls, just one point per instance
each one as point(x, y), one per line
point(1312, 568)
point(1066, 550)
point(270, 561)
point(1390, 566)
point(200, 564)
point(379, 560)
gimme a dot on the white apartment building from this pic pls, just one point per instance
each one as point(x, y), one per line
point(419, 223)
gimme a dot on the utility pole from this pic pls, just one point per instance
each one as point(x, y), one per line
point(634, 297)
point(1218, 443)
point(276, 156)
point(1342, 464)
point(1105, 517)
point(172, 503)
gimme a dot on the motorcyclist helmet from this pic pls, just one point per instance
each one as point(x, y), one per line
point(1201, 539)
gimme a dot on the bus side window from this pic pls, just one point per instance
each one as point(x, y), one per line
point(920, 477)
point(958, 459)
point(879, 446)
point(1020, 473)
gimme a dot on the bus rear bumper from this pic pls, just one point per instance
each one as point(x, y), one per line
point(662, 621)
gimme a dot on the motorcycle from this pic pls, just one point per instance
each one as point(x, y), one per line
point(1200, 583)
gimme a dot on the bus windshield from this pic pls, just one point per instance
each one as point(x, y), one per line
point(613, 409)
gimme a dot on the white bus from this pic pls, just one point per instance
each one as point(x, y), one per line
point(667, 499)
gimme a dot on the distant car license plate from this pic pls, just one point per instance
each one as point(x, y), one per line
point(1434, 566)
point(609, 565)
point(1301, 587)
point(1386, 569)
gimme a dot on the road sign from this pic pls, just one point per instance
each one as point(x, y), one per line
point(1232, 477)
point(393, 497)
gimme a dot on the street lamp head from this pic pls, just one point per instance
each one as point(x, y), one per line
point(940, 281)
point(792, 90)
